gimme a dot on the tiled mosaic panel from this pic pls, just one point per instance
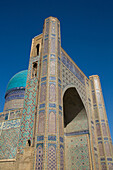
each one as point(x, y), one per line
point(27, 122)
point(61, 158)
point(52, 67)
point(45, 45)
point(68, 79)
point(10, 115)
point(8, 143)
point(77, 153)
point(26, 131)
point(52, 45)
point(67, 62)
point(52, 157)
point(98, 129)
point(52, 122)
point(41, 122)
point(44, 67)
point(101, 149)
point(107, 148)
point(52, 92)
point(39, 157)
point(11, 124)
point(43, 92)
point(79, 123)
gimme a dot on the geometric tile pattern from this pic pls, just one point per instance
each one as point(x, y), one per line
point(61, 158)
point(8, 143)
point(28, 116)
point(39, 157)
point(77, 152)
point(52, 157)
point(72, 67)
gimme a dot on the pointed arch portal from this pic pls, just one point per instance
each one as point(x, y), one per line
point(77, 152)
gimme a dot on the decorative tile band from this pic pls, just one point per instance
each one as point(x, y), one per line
point(40, 138)
point(77, 133)
point(14, 89)
point(11, 124)
point(52, 138)
point(52, 105)
point(72, 67)
point(42, 106)
point(52, 78)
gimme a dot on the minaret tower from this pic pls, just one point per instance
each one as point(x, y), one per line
point(102, 128)
point(49, 135)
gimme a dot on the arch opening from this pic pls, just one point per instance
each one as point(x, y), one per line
point(72, 105)
point(76, 131)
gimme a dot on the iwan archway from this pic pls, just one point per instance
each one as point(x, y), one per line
point(77, 148)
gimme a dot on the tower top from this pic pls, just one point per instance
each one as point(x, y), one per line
point(52, 18)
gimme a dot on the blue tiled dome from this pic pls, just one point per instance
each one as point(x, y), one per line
point(18, 80)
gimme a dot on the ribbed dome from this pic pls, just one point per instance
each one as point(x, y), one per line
point(18, 80)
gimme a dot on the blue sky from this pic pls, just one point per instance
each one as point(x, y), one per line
point(86, 32)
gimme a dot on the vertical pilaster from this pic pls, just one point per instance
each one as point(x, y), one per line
point(93, 141)
point(50, 135)
point(103, 135)
point(27, 129)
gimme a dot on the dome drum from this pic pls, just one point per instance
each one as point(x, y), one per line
point(15, 91)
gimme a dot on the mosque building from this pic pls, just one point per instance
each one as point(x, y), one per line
point(54, 117)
